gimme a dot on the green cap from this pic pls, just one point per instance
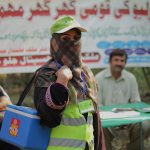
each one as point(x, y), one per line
point(64, 24)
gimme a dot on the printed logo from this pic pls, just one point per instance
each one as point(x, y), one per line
point(14, 126)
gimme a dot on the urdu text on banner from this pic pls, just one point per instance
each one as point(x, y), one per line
point(25, 34)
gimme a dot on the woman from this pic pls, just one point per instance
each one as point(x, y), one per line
point(65, 92)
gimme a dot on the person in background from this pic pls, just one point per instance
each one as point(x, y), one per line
point(118, 86)
point(65, 92)
point(4, 101)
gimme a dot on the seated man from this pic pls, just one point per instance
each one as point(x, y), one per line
point(118, 86)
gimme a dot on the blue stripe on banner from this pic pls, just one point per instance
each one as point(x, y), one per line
point(121, 44)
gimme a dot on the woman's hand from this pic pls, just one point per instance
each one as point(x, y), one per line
point(64, 74)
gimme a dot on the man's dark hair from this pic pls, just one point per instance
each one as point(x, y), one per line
point(118, 52)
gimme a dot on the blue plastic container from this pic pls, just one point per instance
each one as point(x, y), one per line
point(21, 127)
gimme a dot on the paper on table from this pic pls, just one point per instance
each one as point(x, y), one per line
point(123, 114)
point(144, 110)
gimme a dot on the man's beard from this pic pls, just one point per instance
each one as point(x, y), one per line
point(118, 69)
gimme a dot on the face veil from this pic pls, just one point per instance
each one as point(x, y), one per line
point(71, 49)
point(65, 46)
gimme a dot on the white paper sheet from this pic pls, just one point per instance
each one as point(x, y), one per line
point(123, 114)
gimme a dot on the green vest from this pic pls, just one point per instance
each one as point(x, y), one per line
point(73, 132)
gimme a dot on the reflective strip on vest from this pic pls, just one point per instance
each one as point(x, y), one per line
point(67, 143)
point(76, 121)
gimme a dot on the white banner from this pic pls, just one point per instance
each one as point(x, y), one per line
point(24, 31)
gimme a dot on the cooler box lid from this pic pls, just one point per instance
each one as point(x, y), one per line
point(22, 109)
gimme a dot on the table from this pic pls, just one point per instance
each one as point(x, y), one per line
point(122, 121)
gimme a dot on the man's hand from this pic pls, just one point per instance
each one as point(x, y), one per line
point(4, 101)
point(64, 74)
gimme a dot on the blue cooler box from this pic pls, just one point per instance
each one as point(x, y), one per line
point(21, 127)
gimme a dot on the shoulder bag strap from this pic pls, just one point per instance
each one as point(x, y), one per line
point(27, 88)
